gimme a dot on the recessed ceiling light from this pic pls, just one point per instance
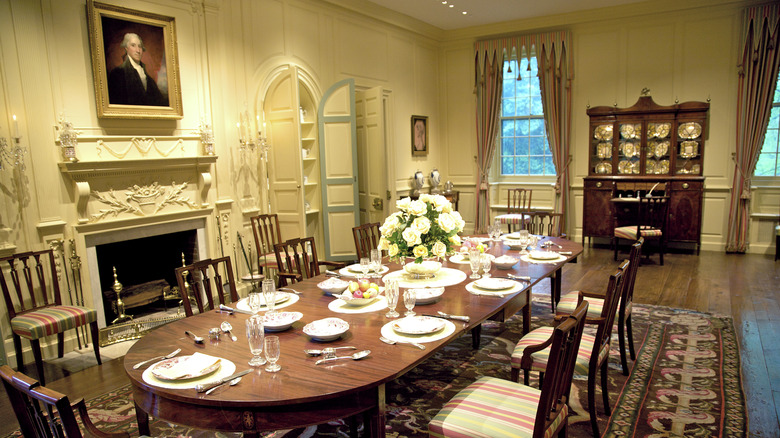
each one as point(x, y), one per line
point(444, 2)
point(465, 13)
point(452, 6)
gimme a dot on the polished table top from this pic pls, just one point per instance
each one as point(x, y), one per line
point(301, 385)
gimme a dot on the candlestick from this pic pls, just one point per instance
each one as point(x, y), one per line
point(16, 128)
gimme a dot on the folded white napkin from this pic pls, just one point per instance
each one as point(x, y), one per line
point(192, 366)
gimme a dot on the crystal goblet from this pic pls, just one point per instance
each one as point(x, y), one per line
point(269, 294)
point(255, 334)
point(255, 301)
point(410, 299)
point(475, 262)
point(391, 293)
point(486, 261)
point(365, 265)
point(272, 352)
point(376, 262)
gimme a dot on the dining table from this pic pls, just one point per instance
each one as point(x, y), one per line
point(304, 393)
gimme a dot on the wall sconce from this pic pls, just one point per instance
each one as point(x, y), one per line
point(69, 139)
point(248, 140)
point(206, 137)
point(13, 156)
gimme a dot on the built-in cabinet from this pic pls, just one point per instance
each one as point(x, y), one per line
point(646, 148)
point(310, 163)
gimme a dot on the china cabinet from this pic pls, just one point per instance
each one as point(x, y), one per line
point(646, 148)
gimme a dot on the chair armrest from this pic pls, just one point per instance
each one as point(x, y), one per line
point(526, 362)
point(337, 265)
point(284, 276)
point(595, 321)
point(587, 294)
point(82, 408)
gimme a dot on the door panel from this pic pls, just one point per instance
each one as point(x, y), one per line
point(372, 159)
point(338, 168)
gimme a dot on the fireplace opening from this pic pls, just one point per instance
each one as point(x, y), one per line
point(145, 268)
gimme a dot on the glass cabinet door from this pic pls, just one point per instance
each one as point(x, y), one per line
point(658, 148)
point(689, 148)
point(629, 148)
point(601, 149)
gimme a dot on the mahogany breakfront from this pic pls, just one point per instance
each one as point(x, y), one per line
point(646, 148)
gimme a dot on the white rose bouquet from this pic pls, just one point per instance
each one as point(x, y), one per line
point(427, 227)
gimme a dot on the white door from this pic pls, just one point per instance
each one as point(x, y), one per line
point(284, 156)
point(338, 169)
point(372, 161)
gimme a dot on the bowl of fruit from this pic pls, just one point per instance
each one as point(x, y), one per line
point(360, 293)
point(333, 286)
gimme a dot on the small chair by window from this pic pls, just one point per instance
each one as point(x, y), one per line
point(532, 351)
point(366, 238)
point(518, 202)
point(265, 228)
point(297, 260)
point(524, 411)
point(204, 279)
point(649, 222)
point(44, 413)
point(545, 223)
point(36, 309)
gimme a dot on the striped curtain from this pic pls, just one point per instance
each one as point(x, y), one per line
point(758, 67)
point(555, 84)
point(556, 101)
point(488, 90)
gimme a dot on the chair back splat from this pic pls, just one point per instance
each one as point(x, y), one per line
point(366, 238)
point(205, 280)
point(297, 260)
point(265, 228)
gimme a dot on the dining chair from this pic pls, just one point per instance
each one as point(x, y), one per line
point(625, 305)
point(44, 413)
point(201, 275)
point(532, 354)
point(546, 223)
point(518, 204)
point(366, 238)
point(649, 222)
point(297, 259)
point(265, 228)
point(36, 310)
point(493, 407)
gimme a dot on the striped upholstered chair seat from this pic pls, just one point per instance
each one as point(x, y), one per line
point(51, 320)
point(491, 408)
point(629, 232)
point(569, 302)
point(540, 357)
point(518, 219)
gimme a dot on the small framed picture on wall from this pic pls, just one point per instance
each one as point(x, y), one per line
point(419, 135)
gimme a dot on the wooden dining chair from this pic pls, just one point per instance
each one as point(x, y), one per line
point(35, 310)
point(204, 279)
point(493, 407)
point(625, 305)
point(649, 221)
point(518, 204)
point(297, 259)
point(532, 354)
point(544, 223)
point(265, 228)
point(366, 238)
point(44, 413)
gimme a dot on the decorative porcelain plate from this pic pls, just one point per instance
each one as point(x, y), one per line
point(418, 325)
point(662, 168)
point(661, 149)
point(689, 149)
point(650, 166)
point(689, 130)
point(326, 329)
point(427, 295)
point(279, 321)
point(624, 166)
point(492, 283)
point(604, 150)
point(628, 148)
point(186, 367)
point(543, 255)
point(603, 132)
point(604, 168)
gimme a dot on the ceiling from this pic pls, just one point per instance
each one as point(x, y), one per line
point(481, 12)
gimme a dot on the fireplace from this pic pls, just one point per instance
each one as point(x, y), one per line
point(145, 259)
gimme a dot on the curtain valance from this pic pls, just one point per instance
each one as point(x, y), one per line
point(553, 43)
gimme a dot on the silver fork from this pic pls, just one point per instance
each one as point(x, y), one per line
point(392, 342)
point(167, 356)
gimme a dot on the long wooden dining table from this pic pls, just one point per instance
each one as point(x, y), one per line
point(302, 393)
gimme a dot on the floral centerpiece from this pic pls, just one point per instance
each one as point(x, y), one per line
point(424, 228)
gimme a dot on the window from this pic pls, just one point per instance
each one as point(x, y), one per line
point(769, 159)
point(524, 147)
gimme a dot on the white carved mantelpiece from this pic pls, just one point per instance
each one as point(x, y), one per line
point(142, 187)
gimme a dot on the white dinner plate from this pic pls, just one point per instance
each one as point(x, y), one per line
point(418, 325)
point(186, 367)
point(543, 255)
point(327, 329)
point(492, 283)
point(427, 295)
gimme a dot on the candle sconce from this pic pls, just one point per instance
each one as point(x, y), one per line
point(206, 138)
point(68, 138)
point(248, 140)
point(13, 156)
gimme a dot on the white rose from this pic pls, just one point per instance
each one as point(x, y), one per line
point(411, 237)
point(392, 251)
point(424, 197)
point(418, 208)
point(439, 249)
point(390, 225)
point(420, 251)
point(459, 220)
point(440, 203)
point(384, 244)
point(403, 204)
point(446, 222)
point(455, 239)
point(422, 225)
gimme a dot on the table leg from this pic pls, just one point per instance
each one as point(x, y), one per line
point(527, 314)
point(475, 334)
point(143, 421)
point(374, 418)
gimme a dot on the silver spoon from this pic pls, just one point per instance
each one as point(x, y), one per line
point(167, 356)
point(287, 289)
point(357, 356)
point(233, 382)
point(392, 342)
point(226, 328)
point(197, 339)
point(319, 352)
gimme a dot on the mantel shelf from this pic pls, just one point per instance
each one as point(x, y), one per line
point(150, 164)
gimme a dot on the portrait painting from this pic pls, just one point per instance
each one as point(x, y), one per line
point(419, 135)
point(134, 63)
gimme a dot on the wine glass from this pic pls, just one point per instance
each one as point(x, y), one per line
point(391, 292)
point(255, 333)
point(474, 261)
point(255, 301)
point(272, 353)
point(269, 294)
point(409, 300)
point(524, 240)
point(486, 262)
point(365, 264)
point(376, 262)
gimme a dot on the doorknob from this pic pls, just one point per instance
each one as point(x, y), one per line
point(378, 204)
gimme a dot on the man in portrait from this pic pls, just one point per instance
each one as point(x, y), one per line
point(419, 135)
point(130, 83)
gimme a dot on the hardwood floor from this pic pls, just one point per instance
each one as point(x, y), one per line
point(743, 286)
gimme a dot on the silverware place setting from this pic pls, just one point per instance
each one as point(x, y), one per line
point(196, 338)
point(327, 351)
point(393, 342)
point(167, 356)
point(233, 382)
point(203, 387)
point(355, 356)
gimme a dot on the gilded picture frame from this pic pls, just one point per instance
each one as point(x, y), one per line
point(127, 87)
point(419, 136)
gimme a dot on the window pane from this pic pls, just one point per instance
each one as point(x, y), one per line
point(768, 164)
point(537, 146)
point(507, 128)
point(521, 166)
point(507, 146)
point(521, 146)
point(507, 166)
point(523, 106)
point(537, 165)
point(508, 107)
point(537, 127)
point(536, 106)
point(549, 167)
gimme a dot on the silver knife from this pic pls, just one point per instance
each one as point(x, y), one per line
point(231, 310)
point(519, 277)
point(206, 386)
point(455, 317)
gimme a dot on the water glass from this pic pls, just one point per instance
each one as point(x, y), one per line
point(486, 262)
point(272, 352)
point(255, 333)
point(475, 262)
point(269, 294)
point(410, 299)
point(376, 262)
point(255, 301)
point(391, 293)
point(524, 240)
point(365, 264)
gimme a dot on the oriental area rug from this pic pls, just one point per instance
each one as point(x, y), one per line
point(686, 382)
